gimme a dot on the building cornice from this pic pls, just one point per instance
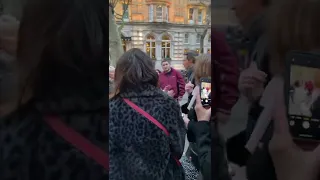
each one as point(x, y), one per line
point(164, 25)
point(159, 2)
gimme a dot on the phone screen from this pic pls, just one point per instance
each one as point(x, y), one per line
point(304, 102)
point(205, 93)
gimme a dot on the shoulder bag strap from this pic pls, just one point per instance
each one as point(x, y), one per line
point(150, 118)
point(78, 141)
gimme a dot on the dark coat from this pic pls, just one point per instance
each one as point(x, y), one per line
point(202, 137)
point(8, 79)
point(225, 73)
point(201, 132)
point(315, 111)
point(138, 149)
point(30, 149)
point(259, 165)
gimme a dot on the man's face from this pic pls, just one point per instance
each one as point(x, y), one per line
point(186, 63)
point(165, 66)
point(246, 10)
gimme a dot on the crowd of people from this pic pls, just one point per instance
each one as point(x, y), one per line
point(60, 120)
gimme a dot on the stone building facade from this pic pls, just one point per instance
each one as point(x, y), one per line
point(165, 29)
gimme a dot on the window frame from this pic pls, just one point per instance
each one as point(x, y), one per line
point(198, 38)
point(151, 41)
point(184, 39)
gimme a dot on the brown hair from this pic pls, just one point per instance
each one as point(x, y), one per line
point(202, 67)
point(191, 56)
point(165, 60)
point(134, 69)
point(294, 25)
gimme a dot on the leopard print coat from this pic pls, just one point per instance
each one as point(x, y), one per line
point(30, 149)
point(138, 149)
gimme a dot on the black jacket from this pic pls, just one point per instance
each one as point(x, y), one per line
point(138, 149)
point(202, 138)
point(210, 149)
point(8, 79)
point(201, 132)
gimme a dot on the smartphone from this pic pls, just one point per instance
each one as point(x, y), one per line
point(302, 94)
point(205, 91)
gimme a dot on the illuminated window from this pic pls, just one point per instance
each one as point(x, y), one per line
point(190, 14)
point(165, 47)
point(159, 13)
point(199, 16)
point(151, 46)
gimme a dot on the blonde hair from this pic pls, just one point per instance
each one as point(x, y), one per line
point(293, 25)
point(202, 67)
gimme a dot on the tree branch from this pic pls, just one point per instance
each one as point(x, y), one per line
point(196, 30)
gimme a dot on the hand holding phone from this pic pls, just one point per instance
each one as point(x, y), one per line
point(290, 161)
point(205, 91)
point(203, 113)
point(302, 95)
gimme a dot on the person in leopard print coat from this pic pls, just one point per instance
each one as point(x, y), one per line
point(139, 149)
point(63, 66)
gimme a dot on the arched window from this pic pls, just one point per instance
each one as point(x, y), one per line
point(151, 46)
point(165, 47)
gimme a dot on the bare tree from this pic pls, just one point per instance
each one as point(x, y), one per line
point(120, 17)
point(115, 44)
point(205, 27)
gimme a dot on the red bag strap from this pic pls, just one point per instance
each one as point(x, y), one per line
point(148, 116)
point(152, 119)
point(78, 141)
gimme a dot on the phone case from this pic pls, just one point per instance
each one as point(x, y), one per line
point(301, 122)
point(207, 80)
